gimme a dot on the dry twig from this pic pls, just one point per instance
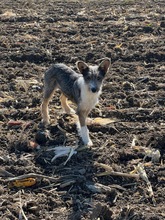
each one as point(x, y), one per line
point(32, 175)
point(21, 213)
point(144, 177)
point(109, 171)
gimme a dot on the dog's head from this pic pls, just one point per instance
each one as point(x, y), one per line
point(94, 75)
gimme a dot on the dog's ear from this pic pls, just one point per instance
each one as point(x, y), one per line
point(104, 65)
point(82, 66)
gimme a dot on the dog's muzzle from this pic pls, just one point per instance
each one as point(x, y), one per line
point(93, 89)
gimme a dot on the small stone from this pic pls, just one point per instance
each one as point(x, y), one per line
point(127, 85)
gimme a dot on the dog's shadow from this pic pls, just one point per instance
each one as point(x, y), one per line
point(76, 178)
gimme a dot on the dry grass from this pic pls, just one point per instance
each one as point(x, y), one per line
point(8, 14)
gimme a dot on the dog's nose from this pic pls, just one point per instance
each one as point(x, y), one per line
point(93, 89)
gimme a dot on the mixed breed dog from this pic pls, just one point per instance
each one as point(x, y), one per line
point(82, 88)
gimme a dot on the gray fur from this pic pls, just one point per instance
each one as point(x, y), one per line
point(63, 77)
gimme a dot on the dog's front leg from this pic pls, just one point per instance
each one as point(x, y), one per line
point(83, 130)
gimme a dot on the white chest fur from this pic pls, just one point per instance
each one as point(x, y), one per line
point(88, 98)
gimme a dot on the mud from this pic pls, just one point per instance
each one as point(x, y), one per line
point(36, 34)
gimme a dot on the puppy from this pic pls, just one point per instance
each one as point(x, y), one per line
point(83, 89)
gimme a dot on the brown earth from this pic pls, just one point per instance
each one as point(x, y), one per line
point(36, 34)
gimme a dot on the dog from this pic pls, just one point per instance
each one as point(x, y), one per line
point(83, 88)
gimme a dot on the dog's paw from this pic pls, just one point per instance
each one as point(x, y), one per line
point(45, 122)
point(90, 143)
point(70, 111)
point(84, 134)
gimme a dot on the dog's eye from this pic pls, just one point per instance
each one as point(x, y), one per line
point(88, 77)
point(99, 78)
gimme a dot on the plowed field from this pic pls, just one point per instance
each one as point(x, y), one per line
point(130, 127)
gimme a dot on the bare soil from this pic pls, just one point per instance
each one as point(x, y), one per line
point(36, 34)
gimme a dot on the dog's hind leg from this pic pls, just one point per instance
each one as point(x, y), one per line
point(48, 93)
point(65, 105)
